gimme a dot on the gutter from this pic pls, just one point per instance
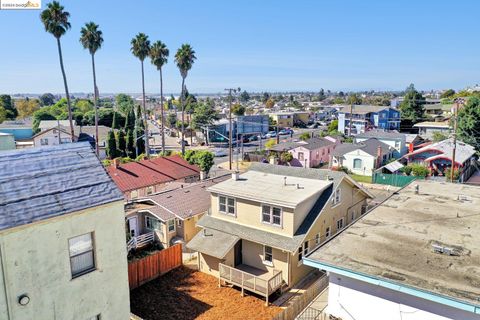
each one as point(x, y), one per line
point(423, 294)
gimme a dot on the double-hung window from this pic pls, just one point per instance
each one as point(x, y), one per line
point(317, 238)
point(171, 225)
point(151, 223)
point(272, 215)
point(305, 248)
point(340, 224)
point(44, 142)
point(337, 197)
point(82, 258)
point(226, 205)
point(327, 232)
point(268, 254)
point(149, 190)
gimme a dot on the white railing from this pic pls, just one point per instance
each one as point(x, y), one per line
point(140, 241)
point(250, 282)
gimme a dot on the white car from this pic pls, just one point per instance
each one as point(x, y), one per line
point(219, 153)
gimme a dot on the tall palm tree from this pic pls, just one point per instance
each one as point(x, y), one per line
point(184, 58)
point(55, 20)
point(159, 54)
point(141, 49)
point(91, 39)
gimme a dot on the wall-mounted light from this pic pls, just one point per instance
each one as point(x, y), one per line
point(23, 299)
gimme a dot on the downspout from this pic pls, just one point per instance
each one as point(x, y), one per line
point(4, 284)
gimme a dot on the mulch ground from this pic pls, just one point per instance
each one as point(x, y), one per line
point(185, 294)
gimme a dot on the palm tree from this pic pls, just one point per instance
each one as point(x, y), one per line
point(91, 39)
point(141, 49)
point(55, 20)
point(159, 54)
point(184, 59)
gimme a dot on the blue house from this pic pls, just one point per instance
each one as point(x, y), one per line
point(365, 118)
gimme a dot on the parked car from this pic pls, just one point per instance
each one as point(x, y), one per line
point(313, 126)
point(252, 138)
point(185, 142)
point(219, 153)
point(271, 134)
point(285, 132)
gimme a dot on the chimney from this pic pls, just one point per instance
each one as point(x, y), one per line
point(379, 156)
point(115, 163)
point(203, 175)
point(235, 175)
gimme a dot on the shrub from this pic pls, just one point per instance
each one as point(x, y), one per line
point(407, 170)
point(419, 170)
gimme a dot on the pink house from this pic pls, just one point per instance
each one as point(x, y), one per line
point(310, 153)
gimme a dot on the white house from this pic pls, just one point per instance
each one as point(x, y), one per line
point(412, 257)
point(394, 139)
point(362, 158)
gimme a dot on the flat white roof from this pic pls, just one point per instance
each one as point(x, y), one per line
point(286, 191)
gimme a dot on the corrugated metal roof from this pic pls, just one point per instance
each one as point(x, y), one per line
point(45, 182)
point(213, 242)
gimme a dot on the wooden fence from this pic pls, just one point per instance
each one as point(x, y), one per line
point(301, 302)
point(152, 266)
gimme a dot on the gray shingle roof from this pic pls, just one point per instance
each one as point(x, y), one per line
point(370, 146)
point(381, 134)
point(213, 242)
point(315, 143)
point(41, 183)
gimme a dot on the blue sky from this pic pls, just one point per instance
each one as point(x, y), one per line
point(256, 45)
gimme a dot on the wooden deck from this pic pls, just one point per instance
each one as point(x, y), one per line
point(251, 279)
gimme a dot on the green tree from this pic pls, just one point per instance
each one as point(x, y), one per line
point(141, 49)
point(55, 21)
point(159, 56)
point(83, 105)
point(130, 120)
point(115, 121)
point(91, 38)
point(354, 99)
point(304, 136)
point(203, 116)
point(26, 107)
point(47, 99)
point(447, 94)
point(438, 136)
point(244, 96)
point(333, 126)
point(412, 107)
point(184, 58)
point(172, 119)
point(238, 109)
point(468, 129)
point(40, 115)
point(321, 95)
point(7, 103)
point(204, 159)
point(269, 103)
point(3, 114)
point(124, 103)
point(286, 157)
point(122, 143)
point(419, 170)
point(111, 145)
point(130, 144)
point(270, 143)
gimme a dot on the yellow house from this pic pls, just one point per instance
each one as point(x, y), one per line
point(263, 222)
point(290, 119)
point(62, 249)
point(168, 217)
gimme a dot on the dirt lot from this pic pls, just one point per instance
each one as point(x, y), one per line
point(184, 294)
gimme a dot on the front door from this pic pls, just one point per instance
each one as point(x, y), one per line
point(133, 226)
point(238, 253)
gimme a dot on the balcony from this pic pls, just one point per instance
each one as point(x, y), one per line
point(140, 241)
point(251, 279)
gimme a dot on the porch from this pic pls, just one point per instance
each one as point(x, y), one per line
point(137, 242)
point(251, 279)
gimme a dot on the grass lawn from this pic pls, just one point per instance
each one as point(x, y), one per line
point(188, 294)
point(359, 178)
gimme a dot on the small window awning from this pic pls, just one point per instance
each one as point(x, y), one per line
point(394, 166)
point(213, 243)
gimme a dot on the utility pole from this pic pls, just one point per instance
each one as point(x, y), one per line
point(455, 122)
point(351, 117)
point(230, 126)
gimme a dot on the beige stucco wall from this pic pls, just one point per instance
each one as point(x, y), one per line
point(189, 229)
point(249, 214)
point(35, 261)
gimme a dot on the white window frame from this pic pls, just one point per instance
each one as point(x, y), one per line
point(337, 197)
point(270, 222)
point(227, 206)
point(174, 226)
point(134, 194)
point(87, 250)
point(300, 254)
point(268, 261)
point(179, 223)
point(328, 232)
point(152, 222)
point(357, 160)
point(44, 141)
point(342, 220)
point(149, 190)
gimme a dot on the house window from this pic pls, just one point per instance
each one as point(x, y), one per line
point(149, 190)
point(226, 205)
point(272, 215)
point(305, 248)
point(134, 194)
point(340, 224)
point(353, 215)
point(300, 156)
point(336, 197)
point(44, 142)
point(171, 225)
point(268, 254)
point(397, 144)
point(327, 232)
point(317, 238)
point(82, 258)
point(357, 163)
point(300, 251)
point(179, 223)
point(151, 223)
point(65, 140)
point(97, 317)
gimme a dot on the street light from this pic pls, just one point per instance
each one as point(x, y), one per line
point(458, 102)
point(230, 91)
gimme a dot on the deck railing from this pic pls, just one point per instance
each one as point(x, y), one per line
point(140, 241)
point(250, 282)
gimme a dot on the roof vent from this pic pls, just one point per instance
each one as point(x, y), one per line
point(235, 175)
point(462, 197)
point(417, 189)
point(449, 251)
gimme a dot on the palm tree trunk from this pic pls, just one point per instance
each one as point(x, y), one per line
point(95, 104)
point(161, 110)
point(72, 132)
point(182, 102)
point(147, 147)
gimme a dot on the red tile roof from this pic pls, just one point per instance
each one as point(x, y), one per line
point(135, 175)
